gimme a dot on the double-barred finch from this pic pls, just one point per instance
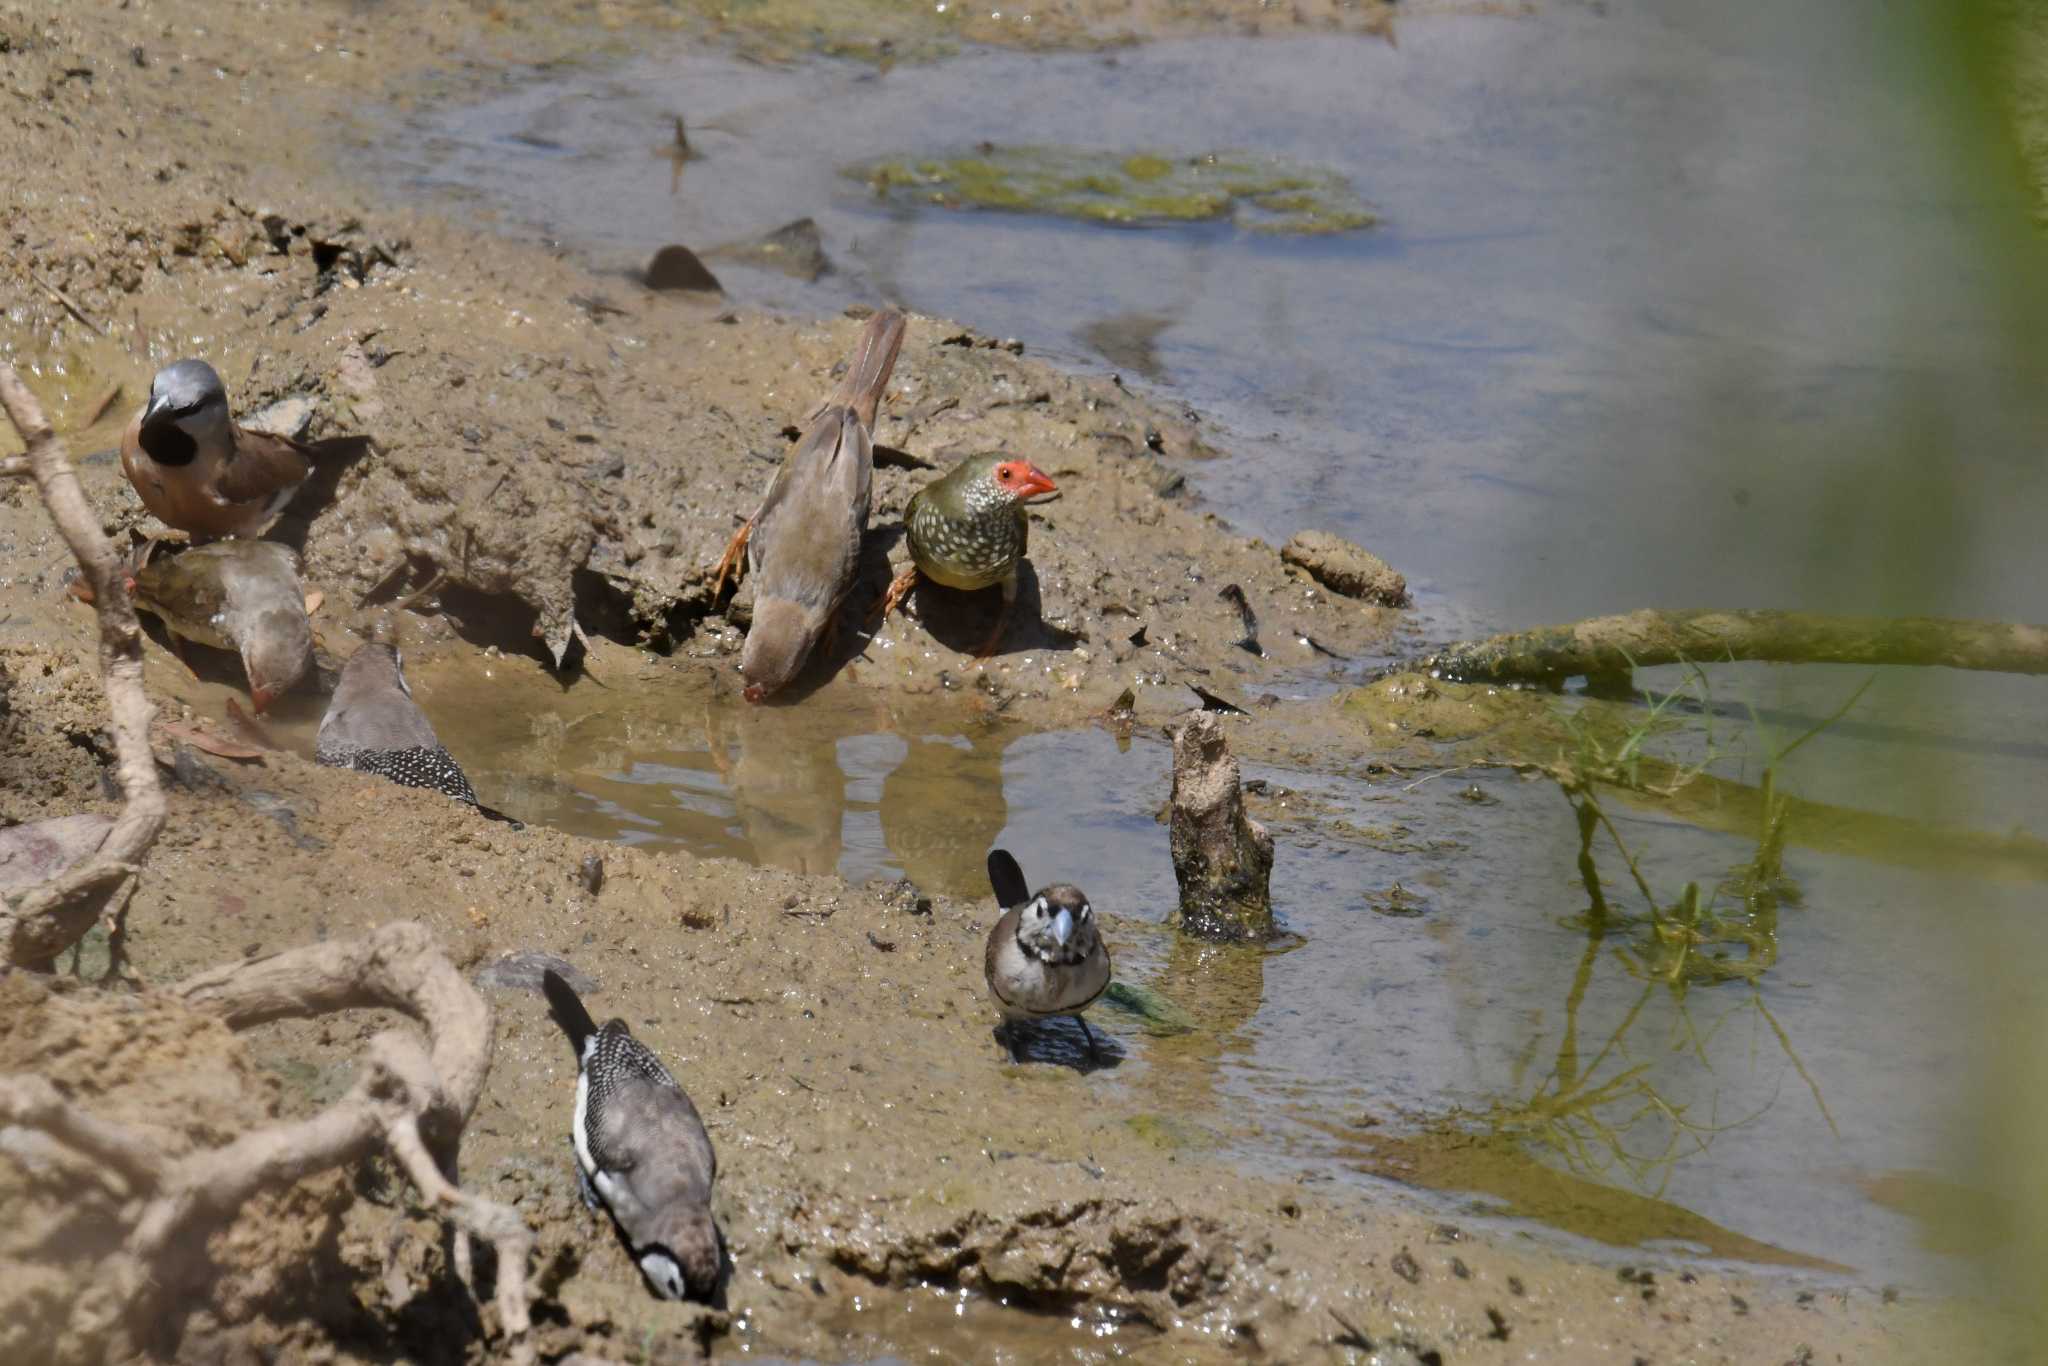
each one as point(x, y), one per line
point(803, 545)
point(373, 725)
point(967, 529)
point(641, 1151)
point(236, 595)
point(1044, 956)
point(200, 471)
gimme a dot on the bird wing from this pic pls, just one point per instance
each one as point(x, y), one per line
point(806, 538)
point(1005, 932)
point(385, 720)
point(1007, 878)
point(187, 592)
point(643, 1122)
point(260, 466)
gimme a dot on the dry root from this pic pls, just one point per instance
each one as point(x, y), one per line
point(410, 1099)
point(43, 921)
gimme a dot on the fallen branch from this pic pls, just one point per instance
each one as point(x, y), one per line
point(38, 924)
point(413, 1100)
point(1606, 649)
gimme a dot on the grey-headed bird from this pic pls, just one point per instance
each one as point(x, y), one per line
point(1044, 956)
point(803, 545)
point(641, 1151)
point(199, 470)
point(373, 725)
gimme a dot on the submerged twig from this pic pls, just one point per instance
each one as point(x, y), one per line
point(1610, 648)
point(71, 305)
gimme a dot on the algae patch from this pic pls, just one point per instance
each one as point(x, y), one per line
point(1128, 189)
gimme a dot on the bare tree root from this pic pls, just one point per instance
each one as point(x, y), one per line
point(1606, 649)
point(43, 921)
point(413, 1100)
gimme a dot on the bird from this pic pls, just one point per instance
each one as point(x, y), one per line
point(1044, 957)
point(967, 529)
point(236, 595)
point(198, 469)
point(803, 544)
point(641, 1151)
point(373, 726)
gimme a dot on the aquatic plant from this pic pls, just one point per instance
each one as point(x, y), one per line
point(1127, 189)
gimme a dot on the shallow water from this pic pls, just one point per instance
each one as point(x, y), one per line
point(1659, 314)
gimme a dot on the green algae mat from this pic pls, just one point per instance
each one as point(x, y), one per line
point(1143, 189)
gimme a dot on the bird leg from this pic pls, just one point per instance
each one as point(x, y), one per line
point(178, 649)
point(995, 637)
point(1094, 1052)
point(899, 589)
point(733, 561)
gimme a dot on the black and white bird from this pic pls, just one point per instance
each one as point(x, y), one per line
point(641, 1151)
point(1044, 956)
point(372, 725)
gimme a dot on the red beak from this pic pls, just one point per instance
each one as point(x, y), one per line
point(754, 692)
point(1035, 481)
point(261, 698)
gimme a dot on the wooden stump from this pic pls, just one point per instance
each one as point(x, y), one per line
point(1222, 857)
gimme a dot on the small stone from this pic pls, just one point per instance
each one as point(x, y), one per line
point(592, 873)
point(1345, 568)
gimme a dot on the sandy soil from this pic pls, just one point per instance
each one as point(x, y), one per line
point(540, 457)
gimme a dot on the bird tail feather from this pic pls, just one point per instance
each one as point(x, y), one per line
point(867, 374)
point(1007, 878)
point(568, 1010)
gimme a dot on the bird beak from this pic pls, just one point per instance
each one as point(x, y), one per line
point(1063, 927)
point(754, 692)
point(261, 698)
point(1036, 482)
point(153, 414)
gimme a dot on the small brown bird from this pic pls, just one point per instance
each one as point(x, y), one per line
point(236, 595)
point(373, 725)
point(967, 529)
point(197, 469)
point(1044, 957)
point(803, 544)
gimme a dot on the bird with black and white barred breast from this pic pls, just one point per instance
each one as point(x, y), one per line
point(1044, 957)
point(198, 469)
point(641, 1151)
point(372, 725)
point(968, 529)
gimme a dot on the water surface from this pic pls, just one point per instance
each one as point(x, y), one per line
point(1667, 308)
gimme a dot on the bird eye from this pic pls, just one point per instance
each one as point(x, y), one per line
point(1006, 474)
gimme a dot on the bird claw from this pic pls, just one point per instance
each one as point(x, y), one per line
point(732, 561)
point(899, 589)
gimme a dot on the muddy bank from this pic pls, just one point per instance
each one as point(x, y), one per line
point(877, 1150)
point(551, 447)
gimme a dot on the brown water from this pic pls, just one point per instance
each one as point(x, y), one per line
point(1664, 311)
